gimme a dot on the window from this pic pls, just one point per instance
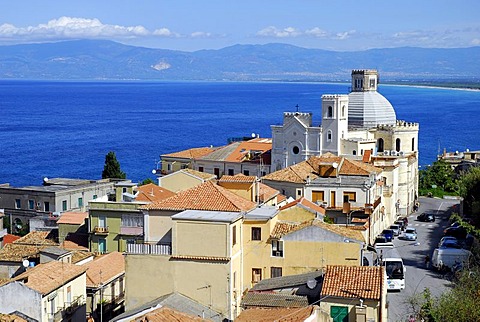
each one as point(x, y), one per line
point(31, 204)
point(102, 221)
point(397, 145)
point(200, 169)
point(216, 172)
point(264, 173)
point(354, 152)
point(64, 205)
point(351, 195)
point(18, 204)
point(299, 192)
point(246, 172)
point(256, 233)
point(46, 206)
point(318, 196)
point(69, 295)
point(121, 285)
point(330, 112)
point(169, 167)
point(95, 197)
point(230, 172)
point(372, 83)
point(132, 220)
point(380, 145)
point(296, 150)
point(234, 235)
point(275, 272)
point(102, 245)
point(329, 136)
point(343, 110)
point(277, 248)
point(80, 202)
point(234, 280)
point(413, 144)
point(256, 275)
point(124, 190)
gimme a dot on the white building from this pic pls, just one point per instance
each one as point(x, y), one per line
point(361, 125)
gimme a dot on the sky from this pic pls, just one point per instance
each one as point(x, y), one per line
point(190, 25)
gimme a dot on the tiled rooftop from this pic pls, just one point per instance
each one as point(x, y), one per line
point(17, 253)
point(353, 282)
point(37, 238)
point(165, 314)
point(241, 178)
point(191, 153)
point(206, 196)
point(45, 278)
point(11, 318)
point(267, 193)
point(287, 282)
point(261, 299)
point(275, 314)
point(305, 204)
point(151, 193)
point(284, 228)
point(104, 268)
point(73, 218)
point(299, 172)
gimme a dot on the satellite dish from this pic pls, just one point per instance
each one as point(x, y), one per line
point(25, 263)
point(253, 135)
point(45, 179)
point(335, 165)
point(311, 284)
point(154, 171)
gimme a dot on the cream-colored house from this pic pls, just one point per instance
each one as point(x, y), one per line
point(355, 293)
point(184, 179)
point(54, 291)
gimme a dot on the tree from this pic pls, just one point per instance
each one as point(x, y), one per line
point(111, 168)
point(437, 179)
point(469, 187)
point(146, 181)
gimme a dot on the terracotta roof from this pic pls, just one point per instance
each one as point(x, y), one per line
point(17, 253)
point(284, 228)
point(206, 196)
point(353, 282)
point(165, 314)
point(73, 218)
point(306, 204)
point(79, 255)
point(238, 178)
point(266, 193)
point(246, 150)
point(9, 238)
point(202, 258)
point(36, 238)
point(151, 193)
point(104, 268)
point(193, 153)
point(275, 314)
point(45, 278)
point(11, 318)
point(273, 299)
point(4, 280)
point(299, 172)
point(72, 245)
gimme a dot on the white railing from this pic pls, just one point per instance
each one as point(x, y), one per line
point(149, 249)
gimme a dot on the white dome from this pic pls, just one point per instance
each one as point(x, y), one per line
point(369, 109)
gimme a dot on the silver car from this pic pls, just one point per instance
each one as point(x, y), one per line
point(396, 229)
point(410, 234)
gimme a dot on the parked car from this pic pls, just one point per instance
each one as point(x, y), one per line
point(450, 244)
point(410, 234)
point(396, 229)
point(388, 233)
point(447, 257)
point(458, 232)
point(380, 239)
point(426, 217)
point(401, 224)
point(445, 238)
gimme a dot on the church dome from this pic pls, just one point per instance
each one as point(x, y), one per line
point(367, 109)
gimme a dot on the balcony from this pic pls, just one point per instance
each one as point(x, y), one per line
point(131, 231)
point(149, 249)
point(97, 230)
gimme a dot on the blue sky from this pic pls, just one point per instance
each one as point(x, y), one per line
point(340, 25)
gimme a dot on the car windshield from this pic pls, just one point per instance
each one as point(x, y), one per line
point(394, 227)
point(394, 269)
point(410, 231)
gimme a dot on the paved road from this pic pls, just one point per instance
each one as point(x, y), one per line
point(418, 277)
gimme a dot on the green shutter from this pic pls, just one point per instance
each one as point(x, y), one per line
point(339, 313)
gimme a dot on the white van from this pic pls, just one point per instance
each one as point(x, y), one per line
point(447, 257)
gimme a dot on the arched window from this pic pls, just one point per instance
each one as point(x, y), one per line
point(343, 110)
point(413, 144)
point(329, 136)
point(330, 111)
point(380, 145)
point(397, 145)
point(296, 150)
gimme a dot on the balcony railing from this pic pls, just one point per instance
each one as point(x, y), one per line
point(149, 249)
point(98, 230)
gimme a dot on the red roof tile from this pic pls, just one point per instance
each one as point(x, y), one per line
point(73, 218)
point(206, 196)
point(151, 193)
point(166, 314)
point(104, 268)
point(9, 238)
point(275, 314)
point(306, 204)
point(238, 178)
point(191, 153)
point(354, 282)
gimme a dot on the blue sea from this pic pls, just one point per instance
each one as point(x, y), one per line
point(65, 129)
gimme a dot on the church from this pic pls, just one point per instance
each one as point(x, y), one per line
point(360, 125)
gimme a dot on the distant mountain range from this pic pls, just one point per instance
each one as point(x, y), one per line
point(108, 60)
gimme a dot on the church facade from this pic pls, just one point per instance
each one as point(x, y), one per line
point(360, 125)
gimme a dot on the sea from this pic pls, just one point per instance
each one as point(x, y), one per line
point(65, 129)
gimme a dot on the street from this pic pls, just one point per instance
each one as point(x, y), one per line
point(418, 276)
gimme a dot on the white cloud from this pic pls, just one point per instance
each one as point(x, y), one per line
point(345, 35)
point(475, 42)
point(200, 34)
point(165, 32)
point(272, 31)
point(316, 32)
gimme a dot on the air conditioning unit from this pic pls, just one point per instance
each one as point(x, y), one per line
point(387, 152)
point(401, 153)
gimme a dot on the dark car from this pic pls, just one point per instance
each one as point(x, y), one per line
point(388, 233)
point(401, 224)
point(457, 232)
point(380, 239)
point(426, 217)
